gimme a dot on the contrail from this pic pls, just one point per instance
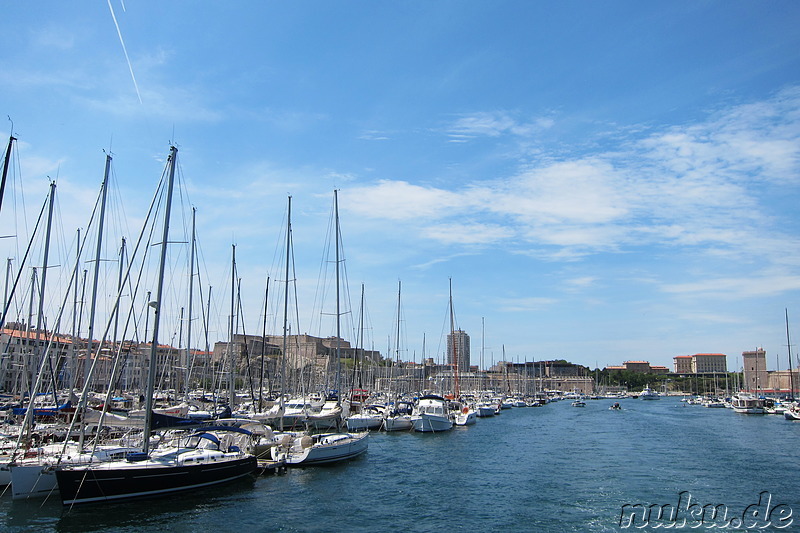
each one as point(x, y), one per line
point(130, 67)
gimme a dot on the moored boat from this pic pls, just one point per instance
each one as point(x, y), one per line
point(203, 459)
point(747, 404)
point(321, 448)
point(431, 414)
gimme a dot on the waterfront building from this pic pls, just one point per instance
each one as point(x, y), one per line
point(642, 367)
point(22, 349)
point(458, 347)
point(683, 364)
point(710, 363)
point(784, 382)
point(701, 363)
point(754, 363)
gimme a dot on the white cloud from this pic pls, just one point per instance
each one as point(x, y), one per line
point(495, 124)
point(684, 186)
point(400, 200)
point(524, 304)
point(755, 286)
point(467, 233)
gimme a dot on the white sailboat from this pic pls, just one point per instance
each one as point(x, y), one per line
point(297, 450)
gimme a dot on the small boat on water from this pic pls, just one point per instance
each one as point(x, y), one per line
point(431, 415)
point(399, 418)
point(464, 415)
point(578, 403)
point(792, 412)
point(747, 404)
point(616, 407)
point(484, 409)
point(714, 403)
point(649, 394)
point(322, 448)
point(369, 418)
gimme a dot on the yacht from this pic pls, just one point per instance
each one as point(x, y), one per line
point(431, 414)
point(211, 456)
point(321, 448)
point(649, 394)
point(747, 404)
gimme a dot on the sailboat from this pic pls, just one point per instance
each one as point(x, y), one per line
point(207, 457)
point(398, 418)
point(297, 450)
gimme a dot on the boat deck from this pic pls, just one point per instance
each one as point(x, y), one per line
point(269, 467)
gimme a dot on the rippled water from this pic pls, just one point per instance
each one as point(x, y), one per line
point(554, 468)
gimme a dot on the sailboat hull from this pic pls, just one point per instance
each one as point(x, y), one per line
point(87, 485)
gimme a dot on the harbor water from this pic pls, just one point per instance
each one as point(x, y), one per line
point(551, 468)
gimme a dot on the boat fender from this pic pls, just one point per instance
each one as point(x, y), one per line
point(306, 442)
point(465, 410)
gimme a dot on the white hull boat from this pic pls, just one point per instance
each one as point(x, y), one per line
point(398, 423)
point(748, 404)
point(431, 415)
point(321, 449)
point(364, 422)
point(35, 477)
point(466, 417)
point(483, 410)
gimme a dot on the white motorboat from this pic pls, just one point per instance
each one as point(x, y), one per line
point(466, 416)
point(484, 409)
point(649, 394)
point(431, 414)
point(747, 404)
point(792, 412)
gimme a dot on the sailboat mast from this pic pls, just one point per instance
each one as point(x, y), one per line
point(338, 314)
point(285, 310)
point(6, 160)
point(151, 374)
point(453, 340)
point(93, 307)
point(119, 286)
point(361, 339)
point(187, 357)
point(263, 350)
point(789, 348)
point(231, 384)
point(42, 285)
point(397, 337)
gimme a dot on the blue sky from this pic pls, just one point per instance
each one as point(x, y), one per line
point(603, 181)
